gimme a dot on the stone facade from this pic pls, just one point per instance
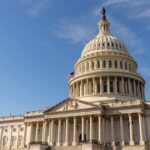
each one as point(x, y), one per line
point(106, 109)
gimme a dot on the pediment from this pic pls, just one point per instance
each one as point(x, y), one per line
point(70, 104)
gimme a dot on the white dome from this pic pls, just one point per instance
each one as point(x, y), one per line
point(104, 41)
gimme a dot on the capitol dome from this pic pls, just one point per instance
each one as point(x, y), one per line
point(106, 71)
point(104, 42)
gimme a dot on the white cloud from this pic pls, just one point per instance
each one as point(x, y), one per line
point(145, 13)
point(74, 32)
point(33, 7)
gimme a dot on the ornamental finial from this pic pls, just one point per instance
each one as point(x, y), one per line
point(103, 13)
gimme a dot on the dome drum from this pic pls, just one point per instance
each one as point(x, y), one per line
point(107, 85)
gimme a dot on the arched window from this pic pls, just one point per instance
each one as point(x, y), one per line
point(104, 64)
point(111, 87)
point(105, 86)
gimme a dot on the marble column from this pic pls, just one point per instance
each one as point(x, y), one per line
point(93, 86)
point(74, 143)
point(134, 84)
point(59, 133)
point(91, 128)
point(1, 136)
point(101, 86)
point(116, 85)
point(17, 139)
point(73, 90)
point(82, 128)
point(44, 131)
point(87, 86)
point(139, 93)
point(131, 130)
point(31, 133)
point(37, 132)
point(25, 134)
point(81, 88)
point(123, 90)
point(108, 85)
point(141, 129)
point(10, 136)
point(129, 86)
point(112, 131)
point(52, 133)
point(49, 133)
point(87, 129)
point(100, 129)
point(67, 133)
point(121, 130)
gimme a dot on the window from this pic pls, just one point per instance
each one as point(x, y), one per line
point(104, 64)
point(6, 130)
point(111, 87)
point(92, 65)
point(130, 67)
point(87, 66)
point(110, 64)
point(83, 68)
point(21, 129)
point(126, 66)
point(98, 64)
point(112, 44)
point(108, 44)
point(105, 86)
point(116, 64)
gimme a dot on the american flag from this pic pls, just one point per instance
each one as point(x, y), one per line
point(71, 75)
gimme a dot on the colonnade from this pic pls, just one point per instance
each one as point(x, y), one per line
point(87, 127)
point(19, 139)
point(107, 85)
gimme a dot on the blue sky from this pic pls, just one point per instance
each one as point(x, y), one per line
point(40, 40)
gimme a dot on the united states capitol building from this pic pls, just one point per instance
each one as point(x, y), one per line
point(106, 109)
